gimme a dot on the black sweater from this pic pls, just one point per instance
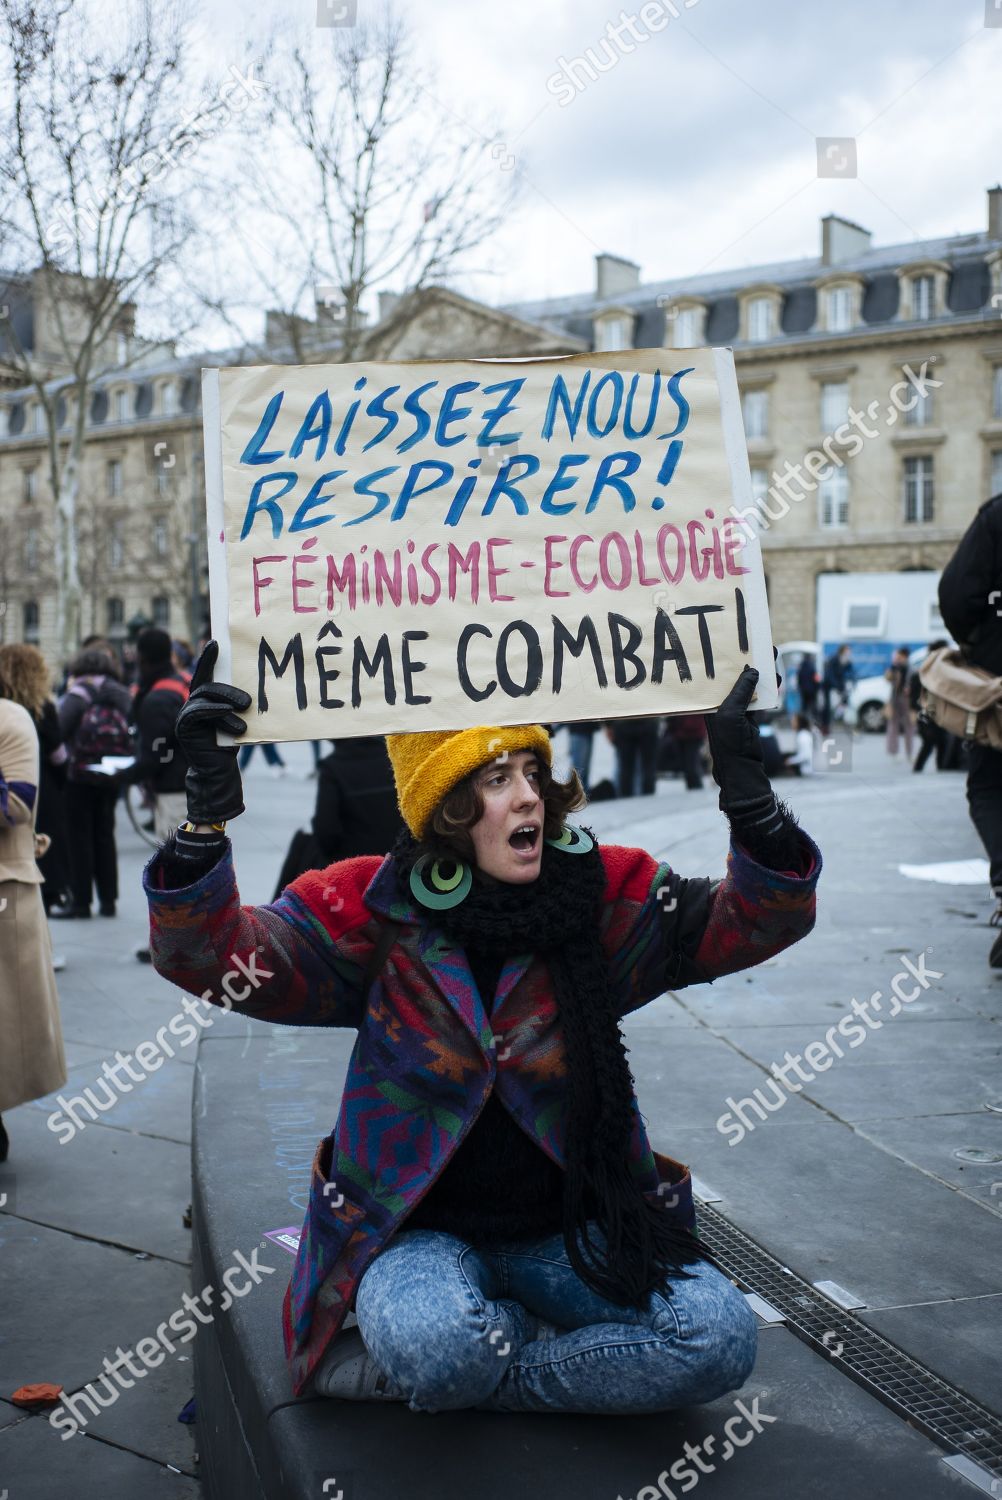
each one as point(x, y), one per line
point(499, 1184)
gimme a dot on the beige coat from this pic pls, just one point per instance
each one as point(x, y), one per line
point(32, 1062)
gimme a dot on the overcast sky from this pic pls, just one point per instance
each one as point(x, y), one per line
point(697, 150)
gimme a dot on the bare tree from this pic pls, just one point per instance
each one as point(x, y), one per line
point(374, 184)
point(93, 131)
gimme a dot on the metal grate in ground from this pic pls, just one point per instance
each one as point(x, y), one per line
point(944, 1414)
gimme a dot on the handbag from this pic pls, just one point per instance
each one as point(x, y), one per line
point(962, 699)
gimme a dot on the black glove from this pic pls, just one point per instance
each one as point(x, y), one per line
point(736, 749)
point(213, 781)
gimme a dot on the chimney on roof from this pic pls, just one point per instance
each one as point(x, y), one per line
point(613, 275)
point(387, 304)
point(842, 240)
point(995, 213)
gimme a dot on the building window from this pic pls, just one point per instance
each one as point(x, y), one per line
point(833, 498)
point(755, 408)
point(834, 404)
point(29, 485)
point(839, 309)
point(113, 472)
point(115, 614)
point(121, 348)
point(161, 611)
point(168, 398)
point(760, 319)
point(611, 334)
point(31, 550)
point(923, 296)
point(29, 622)
point(919, 414)
point(996, 475)
point(918, 489)
point(686, 330)
point(38, 417)
point(160, 536)
point(997, 392)
point(122, 405)
point(116, 550)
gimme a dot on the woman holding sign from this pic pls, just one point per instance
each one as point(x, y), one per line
point(488, 1202)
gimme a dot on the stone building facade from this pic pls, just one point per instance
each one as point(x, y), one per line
point(853, 468)
point(814, 341)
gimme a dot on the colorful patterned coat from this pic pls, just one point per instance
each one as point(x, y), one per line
point(430, 1047)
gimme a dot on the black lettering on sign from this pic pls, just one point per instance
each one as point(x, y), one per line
point(294, 653)
point(702, 610)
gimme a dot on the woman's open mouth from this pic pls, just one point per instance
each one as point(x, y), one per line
point(525, 840)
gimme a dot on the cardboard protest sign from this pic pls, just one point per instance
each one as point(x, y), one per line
point(438, 545)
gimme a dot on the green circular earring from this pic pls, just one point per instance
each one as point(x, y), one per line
point(572, 840)
point(440, 883)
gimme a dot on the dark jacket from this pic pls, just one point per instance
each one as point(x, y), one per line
point(160, 761)
point(356, 811)
point(970, 590)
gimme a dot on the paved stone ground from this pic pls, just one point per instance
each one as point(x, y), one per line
point(854, 1177)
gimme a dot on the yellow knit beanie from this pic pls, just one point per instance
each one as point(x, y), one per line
point(428, 765)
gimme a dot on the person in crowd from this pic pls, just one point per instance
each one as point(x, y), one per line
point(899, 706)
point(356, 809)
point(689, 733)
point(489, 1204)
point(32, 1060)
point(271, 755)
point(800, 761)
point(808, 685)
point(582, 742)
point(933, 738)
point(970, 591)
point(25, 679)
point(159, 765)
point(94, 720)
point(636, 745)
point(838, 677)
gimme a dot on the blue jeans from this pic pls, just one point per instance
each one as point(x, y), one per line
point(456, 1326)
point(581, 748)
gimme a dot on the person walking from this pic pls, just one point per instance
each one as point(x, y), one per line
point(899, 706)
point(25, 679)
point(94, 719)
point(489, 1203)
point(582, 743)
point(160, 764)
point(689, 734)
point(808, 685)
point(838, 676)
point(356, 809)
point(636, 744)
point(271, 755)
point(970, 591)
point(32, 1060)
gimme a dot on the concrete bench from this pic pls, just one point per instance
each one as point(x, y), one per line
point(264, 1096)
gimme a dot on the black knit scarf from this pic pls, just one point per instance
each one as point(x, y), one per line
point(557, 916)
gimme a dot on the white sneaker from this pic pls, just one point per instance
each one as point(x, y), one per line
point(348, 1373)
point(58, 962)
point(277, 772)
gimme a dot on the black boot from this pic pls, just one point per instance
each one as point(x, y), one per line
point(4, 1142)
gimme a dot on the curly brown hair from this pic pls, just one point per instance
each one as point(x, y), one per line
point(448, 833)
point(24, 677)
